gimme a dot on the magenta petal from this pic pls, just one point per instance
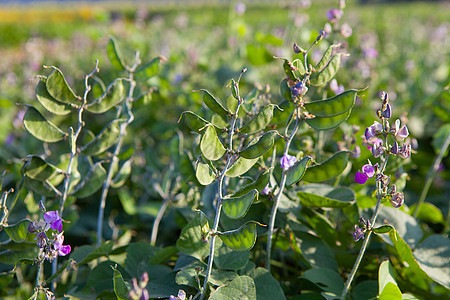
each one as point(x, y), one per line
point(57, 225)
point(64, 250)
point(368, 170)
point(360, 178)
point(51, 216)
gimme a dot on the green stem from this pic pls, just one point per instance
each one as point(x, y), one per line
point(430, 175)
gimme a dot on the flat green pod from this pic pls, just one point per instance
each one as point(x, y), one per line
point(39, 127)
point(297, 171)
point(337, 198)
point(150, 69)
point(210, 145)
point(58, 88)
point(48, 102)
point(105, 139)
point(113, 95)
point(333, 106)
point(204, 174)
point(122, 175)
point(240, 166)
point(91, 182)
point(259, 145)
point(38, 169)
point(213, 104)
point(43, 188)
point(330, 168)
point(237, 207)
point(285, 91)
point(259, 184)
point(325, 123)
point(288, 69)
point(114, 55)
point(241, 239)
point(193, 121)
point(327, 73)
point(326, 56)
point(259, 122)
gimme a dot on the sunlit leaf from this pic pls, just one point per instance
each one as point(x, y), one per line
point(259, 184)
point(337, 198)
point(58, 88)
point(150, 69)
point(330, 168)
point(328, 72)
point(237, 207)
point(43, 188)
point(385, 275)
point(241, 239)
point(325, 58)
point(113, 95)
point(383, 229)
point(105, 139)
point(18, 232)
point(48, 102)
point(210, 144)
point(122, 175)
point(120, 288)
point(37, 168)
point(240, 166)
point(296, 172)
point(391, 292)
point(193, 121)
point(242, 288)
point(285, 90)
point(204, 174)
point(38, 126)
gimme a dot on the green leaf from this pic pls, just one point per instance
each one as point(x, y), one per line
point(325, 58)
point(296, 172)
point(391, 292)
point(114, 55)
point(242, 288)
point(213, 104)
point(259, 122)
point(333, 106)
point(193, 121)
point(120, 288)
point(61, 269)
point(259, 184)
point(285, 90)
point(227, 259)
point(38, 126)
point(259, 145)
point(210, 144)
point(330, 168)
point(385, 275)
point(428, 213)
point(325, 123)
point(113, 95)
point(58, 88)
point(365, 290)
point(104, 140)
point(204, 174)
point(337, 198)
point(43, 188)
point(432, 255)
point(258, 55)
point(18, 232)
point(327, 279)
point(193, 239)
point(50, 103)
point(38, 169)
point(327, 73)
point(267, 287)
point(91, 182)
point(138, 256)
point(103, 251)
point(241, 239)
point(240, 166)
point(150, 69)
point(122, 175)
point(236, 208)
point(383, 229)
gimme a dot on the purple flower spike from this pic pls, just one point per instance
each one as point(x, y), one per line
point(358, 234)
point(63, 250)
point(360, 178)
point(368, 171)
point(52, 218)
point(397, 200)
point(334, 15)
point(287, 161)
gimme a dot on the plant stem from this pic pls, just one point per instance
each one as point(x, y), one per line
point(114, 159)
point(158, 220)
point(280, 191)
point(430, 175)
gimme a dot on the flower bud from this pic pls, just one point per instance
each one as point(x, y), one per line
point(299, 89)
point(397, 200)
point(394, 148)
point(392, 190)
point(358, 234)
point(405, 152)
point(298, 49)
point(387, 111)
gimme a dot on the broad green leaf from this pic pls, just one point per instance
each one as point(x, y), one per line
point(433, 256)
point(120, 288)
point(259, 122)
point(18, 232)
point(138, 255)
point(38, 169)
point(325, 58)
point(242, 288)
point(91, 182)
point(43, 188)
point(61, 269)
point(104, 140)
point(337, 198)
point(213, 104)
point(259, 184)
point(391, 292)
point(258, 55)
point(227, 259)
point(327, 73)
point(325, 123)
point(194, 238)
point(385, 275)
point(330, 168)
point(193, 121)
point(241, 239)
point(114, 55)
point(259, 145)
point(162, 255)
point(285, 90)
point(38, 126)
point(267, 287)
point(296, 172)
point(365, 290)
point(103, 251)
point(122, 175)
point(428, 213)
point(210, 144)
point(50, 103)
point(204, 174)
point(333, 106)
point(383, 229)
point(150, 69)
point(240, 166)
point(237, 207)
point(58, 88)
point(327, 279)
point(113, 95)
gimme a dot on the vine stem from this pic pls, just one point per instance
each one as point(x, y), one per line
point(114, 159)
point(220, 198)
point(280, 191)
point(430, 175)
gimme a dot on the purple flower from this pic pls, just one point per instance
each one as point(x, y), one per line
point(181, 296)
point(357, 152)
point(397, 200)
point(52, 218)
point(63, 250)
point(370, 53)
point(405, 151)
point(299, 89)
point(358, 234)
point(346, 31)
point(266, 190)
point(287, 161)
point(377, 149)
point(387, 112)
point(334, 15)
point(41, 239)
point(335, 88)
point(400, 133)
point(367, 172)
point(240, 8)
